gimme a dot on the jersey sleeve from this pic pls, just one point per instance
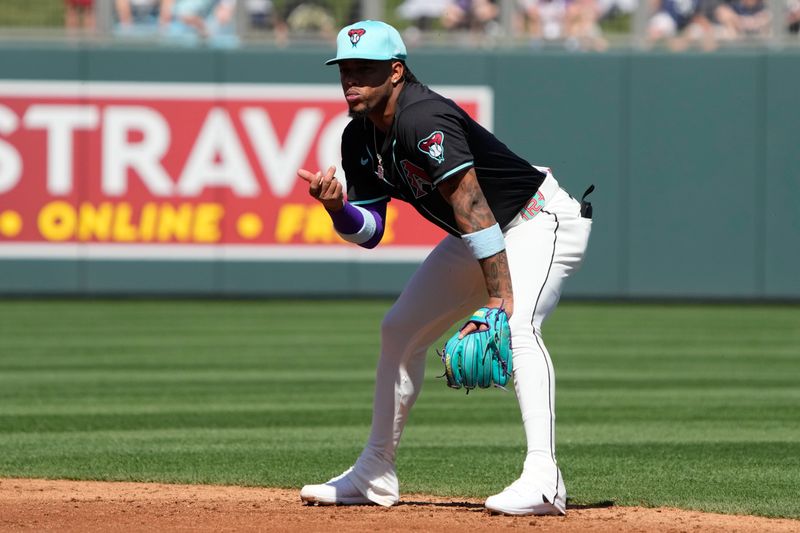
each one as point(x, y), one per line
point(359, 165)
point(436, 133)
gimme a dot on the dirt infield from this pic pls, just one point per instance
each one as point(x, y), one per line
point(41, 505)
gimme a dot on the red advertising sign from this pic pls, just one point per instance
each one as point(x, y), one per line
point(151, 170)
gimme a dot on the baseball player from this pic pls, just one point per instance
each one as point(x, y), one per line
point(514, 237)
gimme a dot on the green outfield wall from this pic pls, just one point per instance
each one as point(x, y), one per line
point(696, 160)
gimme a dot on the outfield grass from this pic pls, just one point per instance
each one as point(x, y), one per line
point(690, 406)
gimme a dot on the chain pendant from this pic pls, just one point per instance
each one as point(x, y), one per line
point(379, 172)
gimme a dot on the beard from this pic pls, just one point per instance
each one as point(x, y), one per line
point(360, 113)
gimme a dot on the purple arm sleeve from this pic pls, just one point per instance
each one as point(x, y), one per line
point(349, 220)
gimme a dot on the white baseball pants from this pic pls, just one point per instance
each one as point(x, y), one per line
point(542, 252)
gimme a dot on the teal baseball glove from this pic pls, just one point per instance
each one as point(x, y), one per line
point(482, 358)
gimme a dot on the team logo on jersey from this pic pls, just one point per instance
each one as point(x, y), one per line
point(416, 178)
point(355, 35)
point(433, 146)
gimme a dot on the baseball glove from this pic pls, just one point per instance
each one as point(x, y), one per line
point(482, 358)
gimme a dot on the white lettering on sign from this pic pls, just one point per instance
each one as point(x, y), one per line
point(217, 159)
point(10, 161)
point(60, 122)
point(248, 148)
point(280, 163)
point(144, 156)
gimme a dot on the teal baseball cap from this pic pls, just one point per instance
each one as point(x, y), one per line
point(369, 39)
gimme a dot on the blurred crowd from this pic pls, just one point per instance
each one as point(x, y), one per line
point(681, 23)
point(187, 22)
point(575, 24)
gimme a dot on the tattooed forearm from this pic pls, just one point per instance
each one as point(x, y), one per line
point(472, 214)
point(469, 205)
point(497, 275)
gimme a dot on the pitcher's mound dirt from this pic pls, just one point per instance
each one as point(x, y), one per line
point(42, 505)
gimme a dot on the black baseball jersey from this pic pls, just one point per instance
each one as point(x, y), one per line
point(432, 139)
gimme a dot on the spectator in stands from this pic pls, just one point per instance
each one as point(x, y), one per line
point(544, 19)
point(680, 23)
point(310, 17)
point(79, 14)
point(793, 16)
point(209, 21)
point(265, 16)
point(616, 16)
point(574, 21)
point(142, 17)
point(616, 8)
point(743, 18)
point(299, 18)
point(478, 16)
point(262, 14)
point(423, 13)
point(583, 25)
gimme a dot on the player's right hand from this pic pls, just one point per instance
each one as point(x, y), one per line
point(506, 304)
point(324, 187)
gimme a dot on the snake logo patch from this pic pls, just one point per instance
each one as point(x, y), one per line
point(433, 146)
point(355, 35)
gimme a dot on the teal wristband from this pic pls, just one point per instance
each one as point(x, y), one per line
point(486, 242)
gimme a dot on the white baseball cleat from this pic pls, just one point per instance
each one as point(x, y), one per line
point(523, 498)
point(338, 491)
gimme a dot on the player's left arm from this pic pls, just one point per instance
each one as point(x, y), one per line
point(473, 215)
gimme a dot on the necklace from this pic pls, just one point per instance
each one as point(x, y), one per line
point(379, 172)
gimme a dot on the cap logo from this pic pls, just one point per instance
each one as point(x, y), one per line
point(355, 35)
point(433, 146)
